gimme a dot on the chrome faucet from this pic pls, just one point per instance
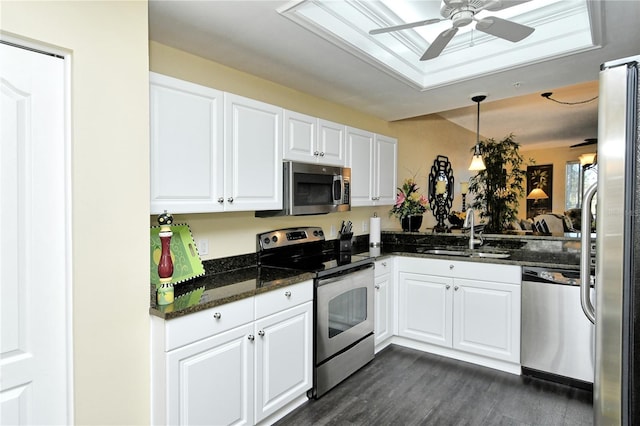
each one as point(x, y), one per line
point(469, 222)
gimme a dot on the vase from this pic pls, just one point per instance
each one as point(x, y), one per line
point(411, 223)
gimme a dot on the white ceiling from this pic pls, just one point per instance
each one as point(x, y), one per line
point(252, 36)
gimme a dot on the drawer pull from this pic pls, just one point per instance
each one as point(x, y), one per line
point(261, 333)
point(251, 337)
point(456, 288)
point(450, 266)
point(377, 286)
point(287, 293)
point(447, 287)
point(217, 315)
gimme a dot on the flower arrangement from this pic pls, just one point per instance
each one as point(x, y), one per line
point(408, 201)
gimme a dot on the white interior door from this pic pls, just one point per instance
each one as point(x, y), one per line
point(34, 241)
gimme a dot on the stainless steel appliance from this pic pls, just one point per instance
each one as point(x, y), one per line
point(617, 288)
point(343, 299)
point(557, 340)
point(313, 189)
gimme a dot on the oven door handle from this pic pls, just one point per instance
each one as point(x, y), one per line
point(328, 279)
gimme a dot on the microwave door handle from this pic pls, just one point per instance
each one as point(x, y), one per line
point(337, 189)
point(585, 252)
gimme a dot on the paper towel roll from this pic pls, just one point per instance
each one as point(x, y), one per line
point(374, 232)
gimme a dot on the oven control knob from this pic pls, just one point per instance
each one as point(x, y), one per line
point(274, 239)
point(267, 240)
point(320, 232)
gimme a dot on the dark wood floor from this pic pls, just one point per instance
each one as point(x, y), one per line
point(406, 387)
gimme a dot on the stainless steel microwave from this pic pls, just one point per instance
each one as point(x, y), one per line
point(313, 189)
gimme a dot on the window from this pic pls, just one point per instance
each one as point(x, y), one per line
point(578, 178)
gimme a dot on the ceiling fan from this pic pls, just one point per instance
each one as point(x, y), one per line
point(462, 13)
point(588, 141)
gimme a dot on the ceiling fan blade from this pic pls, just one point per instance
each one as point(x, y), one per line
point(589, 141)
point(494, 5)
point(404, 26)
point(439, 43)
point(502, 28)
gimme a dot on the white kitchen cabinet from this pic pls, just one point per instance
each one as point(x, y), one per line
point(237, 363)
point(373, 161)
point(313, 140)
point(383, 302)
point(186, 130)
point(444, 303)
point(212, 151)
point(253, 155)
point(211, 381)
point(284, 357)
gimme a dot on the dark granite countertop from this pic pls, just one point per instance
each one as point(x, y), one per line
point(224, 287)
point(237, 277)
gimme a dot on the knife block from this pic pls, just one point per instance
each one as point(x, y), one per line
point(345, 243)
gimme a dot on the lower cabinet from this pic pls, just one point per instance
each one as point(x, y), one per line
point(383, 303)
point(240, 375)
point(442, 303)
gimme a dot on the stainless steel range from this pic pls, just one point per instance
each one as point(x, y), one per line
point(343, 300)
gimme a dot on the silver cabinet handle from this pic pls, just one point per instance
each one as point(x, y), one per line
point(447, 287)
point(377, 286)
point(456, 288)
point(261, 333)
point(316, 153)
point(384, 264)
point(450, 266)
point(287, 293)
point(230, 199)
point(322, 154)
point(217, 315)
point(221, 200)
point(251, 337)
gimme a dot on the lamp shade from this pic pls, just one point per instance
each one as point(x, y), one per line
point(477, 163)
point(537, 194)
point(587, 159)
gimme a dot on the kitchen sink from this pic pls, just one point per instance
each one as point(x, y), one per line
point(446, 252)
point(467, 253)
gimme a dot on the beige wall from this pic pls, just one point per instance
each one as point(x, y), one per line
point(559, 158)
point(110, 186)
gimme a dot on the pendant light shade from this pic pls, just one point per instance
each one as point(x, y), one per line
point(477, 163)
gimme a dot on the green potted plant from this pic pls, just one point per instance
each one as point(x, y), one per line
point(499, 188)
point(409, 206)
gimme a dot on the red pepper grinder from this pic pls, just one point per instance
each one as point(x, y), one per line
point(165, 266)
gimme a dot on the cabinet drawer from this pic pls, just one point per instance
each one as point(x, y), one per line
point(283, 298)
point(193, 327)
point(383, 267)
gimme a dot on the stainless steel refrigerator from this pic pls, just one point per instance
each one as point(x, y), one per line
point(616, 392)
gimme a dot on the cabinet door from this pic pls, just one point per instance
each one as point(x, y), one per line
point(283, 358)
point(360, 159)
point(211, 381)
point(424, 308)
point(300, 133)
point(385, 170)
point(383, 302)
point(487, 319)
point(331, 143)
point(186, 130)
point(253, 155)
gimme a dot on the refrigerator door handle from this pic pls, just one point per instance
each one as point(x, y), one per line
point(585, 255)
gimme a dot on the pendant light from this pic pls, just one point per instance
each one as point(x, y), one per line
point(477, 163)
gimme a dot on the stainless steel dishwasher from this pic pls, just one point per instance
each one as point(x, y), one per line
point(557, 341)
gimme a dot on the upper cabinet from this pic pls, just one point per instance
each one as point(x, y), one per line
point(186, 130)
point(212, 151)
point(253, 160)
point(373, 160)
point(313, 140)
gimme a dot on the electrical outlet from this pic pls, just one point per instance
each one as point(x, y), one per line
point(203, 246)
point(365, 226)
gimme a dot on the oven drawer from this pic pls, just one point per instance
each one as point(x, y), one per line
point(199, 325)
point(283, 298)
